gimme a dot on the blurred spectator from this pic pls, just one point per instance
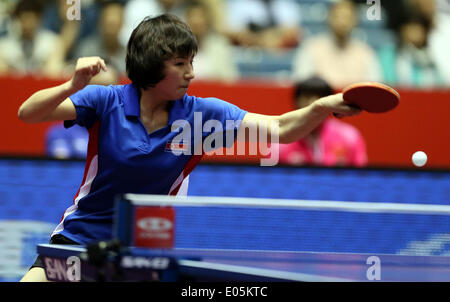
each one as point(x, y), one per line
point(217, 9)
point(70, 32)
point(136, 10)
point(438, 14)
point(410, 63)
point(435, 14)
point(214, 59)
point(6, 7)
point(65, 143)
point(425, 8)
point(336, 56)
point(333, 143)
point(270, 24)
point(105, 41)
point(394, 11)
point(27, 47)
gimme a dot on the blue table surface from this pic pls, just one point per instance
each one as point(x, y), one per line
point(305, 266)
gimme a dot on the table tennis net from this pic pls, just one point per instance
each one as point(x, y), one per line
point(310, 225)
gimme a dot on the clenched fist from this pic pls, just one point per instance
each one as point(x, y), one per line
point(85, 69)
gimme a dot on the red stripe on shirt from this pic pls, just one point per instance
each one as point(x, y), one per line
point(92, 150)
point(192, 163)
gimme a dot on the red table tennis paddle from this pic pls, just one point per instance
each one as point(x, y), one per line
point(371, 96)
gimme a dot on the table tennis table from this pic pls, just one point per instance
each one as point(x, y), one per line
point(180, 264)
point(144, 249)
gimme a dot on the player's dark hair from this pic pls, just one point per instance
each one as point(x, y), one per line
point(312, 86)
point(154, 41)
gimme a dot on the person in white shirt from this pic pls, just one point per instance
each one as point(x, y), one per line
point(335, 56)
point(27, 47)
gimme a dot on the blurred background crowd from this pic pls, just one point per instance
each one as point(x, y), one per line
point(314, 46)
point(405, 43)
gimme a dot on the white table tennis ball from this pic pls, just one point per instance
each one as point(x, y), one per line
point(419, 158)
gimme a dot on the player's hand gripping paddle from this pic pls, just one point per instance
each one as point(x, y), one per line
point(371, 96)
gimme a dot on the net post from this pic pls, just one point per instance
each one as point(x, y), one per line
point(122, 220)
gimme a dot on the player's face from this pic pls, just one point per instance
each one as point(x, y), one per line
point(179, 72)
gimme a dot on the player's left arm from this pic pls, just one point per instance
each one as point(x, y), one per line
point(294, 125)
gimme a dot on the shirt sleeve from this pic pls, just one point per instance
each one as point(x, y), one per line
point(216, 109)
point(91, 104)
point(220, 116)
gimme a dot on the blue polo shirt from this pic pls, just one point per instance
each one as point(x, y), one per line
point(123, 157)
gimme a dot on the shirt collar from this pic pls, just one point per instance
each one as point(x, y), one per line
point(132, 108)
point(177, 111)
point(131, 100)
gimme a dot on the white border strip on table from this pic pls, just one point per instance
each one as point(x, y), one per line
point(260, 272)
point(345, 206)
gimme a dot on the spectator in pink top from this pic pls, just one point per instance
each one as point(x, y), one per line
point(336, 55)
point(333, 143)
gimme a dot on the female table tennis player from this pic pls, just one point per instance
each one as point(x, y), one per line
point(129, 126)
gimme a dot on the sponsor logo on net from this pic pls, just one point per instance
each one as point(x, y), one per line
point(155, 227)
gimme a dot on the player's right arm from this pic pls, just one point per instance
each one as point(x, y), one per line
point(53, 104)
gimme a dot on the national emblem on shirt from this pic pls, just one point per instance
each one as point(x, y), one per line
point(177, 147)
